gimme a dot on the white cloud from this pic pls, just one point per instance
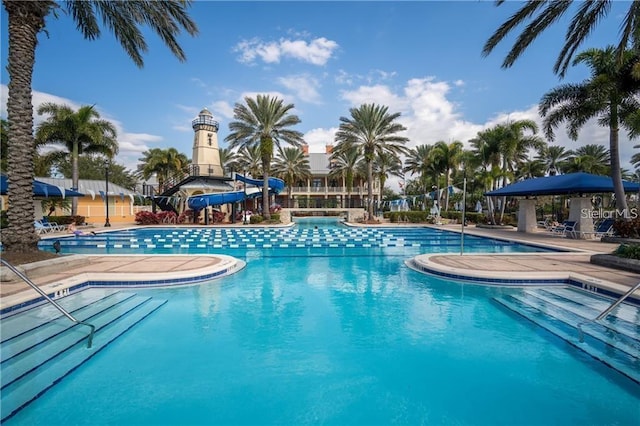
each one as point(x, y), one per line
point(378, 94)
point(223, 108)
point(304, 86)
point(130, 144)
point(318, 139)
point(317, 52)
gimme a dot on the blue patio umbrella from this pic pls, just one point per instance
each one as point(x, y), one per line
point(42, 189)
point(572, 183)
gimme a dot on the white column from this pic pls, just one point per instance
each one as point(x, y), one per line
point(580, 212)
point(527, 216)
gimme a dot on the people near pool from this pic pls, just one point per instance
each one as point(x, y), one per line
point(75, 231)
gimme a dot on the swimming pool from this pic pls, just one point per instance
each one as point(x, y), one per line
point(336, 335)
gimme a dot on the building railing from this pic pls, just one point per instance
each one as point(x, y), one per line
point(327, 189)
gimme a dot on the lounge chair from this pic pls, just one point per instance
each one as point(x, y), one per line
point(52, 225)
point(41, 229)
point(604, 228)
point(568, 228)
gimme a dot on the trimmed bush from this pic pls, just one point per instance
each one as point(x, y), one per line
point(256, 218)
point(628, 251)
point(147, 218)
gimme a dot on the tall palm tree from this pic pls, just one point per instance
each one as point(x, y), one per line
point(448, 157)
point(545, 13)
point(164, 163)
point(420, 162)
point(76, 132)
point(249, 160)
point(610, 95)
point(387, 164)
point(291, 165)
point(372, 130)
point(590, 158)
point(264, 121)
point(514, 147)
point(554, 158)
point(25, 20)
point(228, 160)
point(4, 143)
point(345, 165)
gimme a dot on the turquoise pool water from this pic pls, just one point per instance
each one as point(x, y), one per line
point(331, 335)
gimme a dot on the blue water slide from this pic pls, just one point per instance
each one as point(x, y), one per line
point(198, 202)
point(275, 185)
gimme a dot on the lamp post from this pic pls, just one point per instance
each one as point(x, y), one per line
point(106, 192)
point(244, 200)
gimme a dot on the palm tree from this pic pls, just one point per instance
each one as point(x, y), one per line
point(345, 165)
point(420, 162)
point(590, 158)
point(635, 158)
point(290, 166)
point(228, 160)
point(164, 163)
point(4, 143)
point(447, 157)
point(78, 132)
point(372, 130)
point(264, 121)
point(554, 158)
point(544, 13)
point(610, 95)
point(386, 164)
point(25, 20)
point(249, 161)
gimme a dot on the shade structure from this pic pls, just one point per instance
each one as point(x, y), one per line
point(572, 183)
point(41, 189)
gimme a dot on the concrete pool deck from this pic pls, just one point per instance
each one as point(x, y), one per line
point(70, 270)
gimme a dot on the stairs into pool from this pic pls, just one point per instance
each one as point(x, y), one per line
point(40, 346)
point(569, 314)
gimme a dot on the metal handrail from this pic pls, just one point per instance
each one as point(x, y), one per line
point(617, 302)
point(50, 300)
point(608, 310)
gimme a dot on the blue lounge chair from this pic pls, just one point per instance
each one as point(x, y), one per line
point(604, 228)
point(568, 228)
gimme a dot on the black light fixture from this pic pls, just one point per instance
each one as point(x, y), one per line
point(56, 247)
point(106, 192)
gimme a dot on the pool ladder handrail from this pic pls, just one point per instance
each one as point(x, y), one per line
point(50, 300)
point(608, 310)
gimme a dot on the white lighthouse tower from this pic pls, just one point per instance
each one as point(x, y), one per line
point(206, 153)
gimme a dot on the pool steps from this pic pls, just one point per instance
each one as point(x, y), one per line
point(615, 340)
point(40, 347)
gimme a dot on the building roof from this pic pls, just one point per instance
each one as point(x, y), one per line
point(319, 163)
point(572, 183)
point(89, 186)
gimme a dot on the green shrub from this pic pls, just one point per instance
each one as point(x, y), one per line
point(628, 251)
point(256, 218)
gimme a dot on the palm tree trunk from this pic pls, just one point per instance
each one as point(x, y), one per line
point(25, 20)
point(446, 193)
point(370, 190)
point(616, 171)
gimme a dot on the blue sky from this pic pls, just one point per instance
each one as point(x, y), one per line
point(422, 59)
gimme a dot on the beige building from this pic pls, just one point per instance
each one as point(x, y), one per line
point(324, 191)
point(93, 205)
